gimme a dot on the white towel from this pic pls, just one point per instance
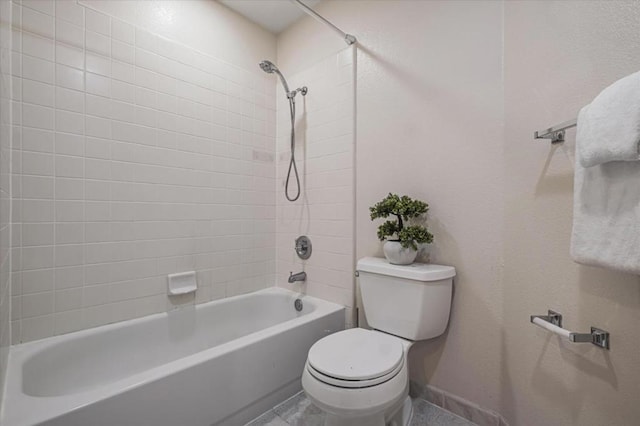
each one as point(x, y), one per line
point(606, 216)
point(609, 128)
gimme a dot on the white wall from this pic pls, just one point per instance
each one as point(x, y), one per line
point(448, 96)
point(325, 159)
point(5, 187)
point(429, 115)
point(578, 49)
point(137, 154)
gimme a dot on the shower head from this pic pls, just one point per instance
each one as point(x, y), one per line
point(269, 67)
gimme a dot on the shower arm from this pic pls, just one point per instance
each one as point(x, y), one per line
point(348, 38)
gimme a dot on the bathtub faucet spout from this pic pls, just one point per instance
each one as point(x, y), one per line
point(300, 276)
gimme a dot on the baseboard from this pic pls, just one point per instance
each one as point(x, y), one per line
point(459, 406)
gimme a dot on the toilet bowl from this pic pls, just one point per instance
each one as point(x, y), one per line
point(360, 376)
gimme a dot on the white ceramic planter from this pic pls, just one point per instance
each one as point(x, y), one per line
point(398, 255)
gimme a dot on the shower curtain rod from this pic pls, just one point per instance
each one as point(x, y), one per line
point(348, 38)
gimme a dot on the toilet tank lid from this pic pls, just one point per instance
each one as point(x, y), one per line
point(415, 271)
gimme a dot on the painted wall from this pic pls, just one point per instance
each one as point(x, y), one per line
point(137, 154)
point(558, 57)
point(448, 96)
point(325, 145)
point(5, 187)
point(429, 116)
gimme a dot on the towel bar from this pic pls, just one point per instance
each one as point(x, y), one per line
point(553, 322)
point(555, 133)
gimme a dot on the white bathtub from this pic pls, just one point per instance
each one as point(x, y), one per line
point(222, 362)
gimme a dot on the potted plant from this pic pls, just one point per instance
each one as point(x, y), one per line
point(401, 247)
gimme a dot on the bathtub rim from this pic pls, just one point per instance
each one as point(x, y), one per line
point(28, 410)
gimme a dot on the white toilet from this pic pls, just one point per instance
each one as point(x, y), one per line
point(358, 376)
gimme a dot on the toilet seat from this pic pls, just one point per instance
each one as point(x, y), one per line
point(356, 358)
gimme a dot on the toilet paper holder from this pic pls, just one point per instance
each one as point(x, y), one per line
point(553, 323)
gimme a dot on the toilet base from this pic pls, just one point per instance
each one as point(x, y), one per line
point(401, 416)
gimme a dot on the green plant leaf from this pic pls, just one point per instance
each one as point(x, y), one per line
point(404, 208)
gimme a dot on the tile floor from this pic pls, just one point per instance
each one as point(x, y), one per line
point(299, 411)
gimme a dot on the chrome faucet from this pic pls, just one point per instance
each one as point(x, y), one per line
point(300, 276)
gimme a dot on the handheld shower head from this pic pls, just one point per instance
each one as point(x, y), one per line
point(270, 68)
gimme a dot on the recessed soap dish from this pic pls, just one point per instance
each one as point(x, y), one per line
point(182, 283)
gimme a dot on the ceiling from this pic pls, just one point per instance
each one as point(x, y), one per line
point(272, 15)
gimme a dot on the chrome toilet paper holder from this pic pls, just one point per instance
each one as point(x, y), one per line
point(553, 323)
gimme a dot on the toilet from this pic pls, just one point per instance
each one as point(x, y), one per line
point(359, 377)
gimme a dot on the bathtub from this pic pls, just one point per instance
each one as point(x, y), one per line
point(223, 362)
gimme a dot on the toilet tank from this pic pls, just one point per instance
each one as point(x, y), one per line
point(410, 301)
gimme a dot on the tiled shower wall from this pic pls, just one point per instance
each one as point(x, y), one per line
point(325, 134)
point(5, 187)
point(134, 157)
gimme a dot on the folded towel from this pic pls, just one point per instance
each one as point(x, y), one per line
point(609, 128)
point(606, 216)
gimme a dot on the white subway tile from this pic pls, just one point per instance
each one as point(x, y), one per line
point(96, 295)
point(146, 40)
point(147, 60)
point(123, 91)
point(98, 85)
point(122, 31)
point(37, 281)
point(37, 69)
point(46, 7)
point(98, 64)
point(69, 122)
point(71, 167)
point(68, 299)
point(37, 116)
point(97, 315)
point(67, 321)
point(69, 144)
point(98, 43)
point(37, 22)
point(70, 78)
point(69, 233)
point(97, 148)
point(40, 47)
point(69, 211)
point(97, 190)
point(69, 100)
point(146, 97)
point(72, 277)
point(123, 111)
point(147, 79)
point(69, 255)
point(37, 258)
point(146, 117)
point(123, 52)
point(36, 328)
point(70, 34)
point(97, 127)
point(36, 234)
point(98, 106)
point(70, 56)
point(137, 189)
point(37, 187)
point(34, 163)
point(69, 10)
point(97, 22)
point(123, 71)
point(97, 211)
point(69, 189)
